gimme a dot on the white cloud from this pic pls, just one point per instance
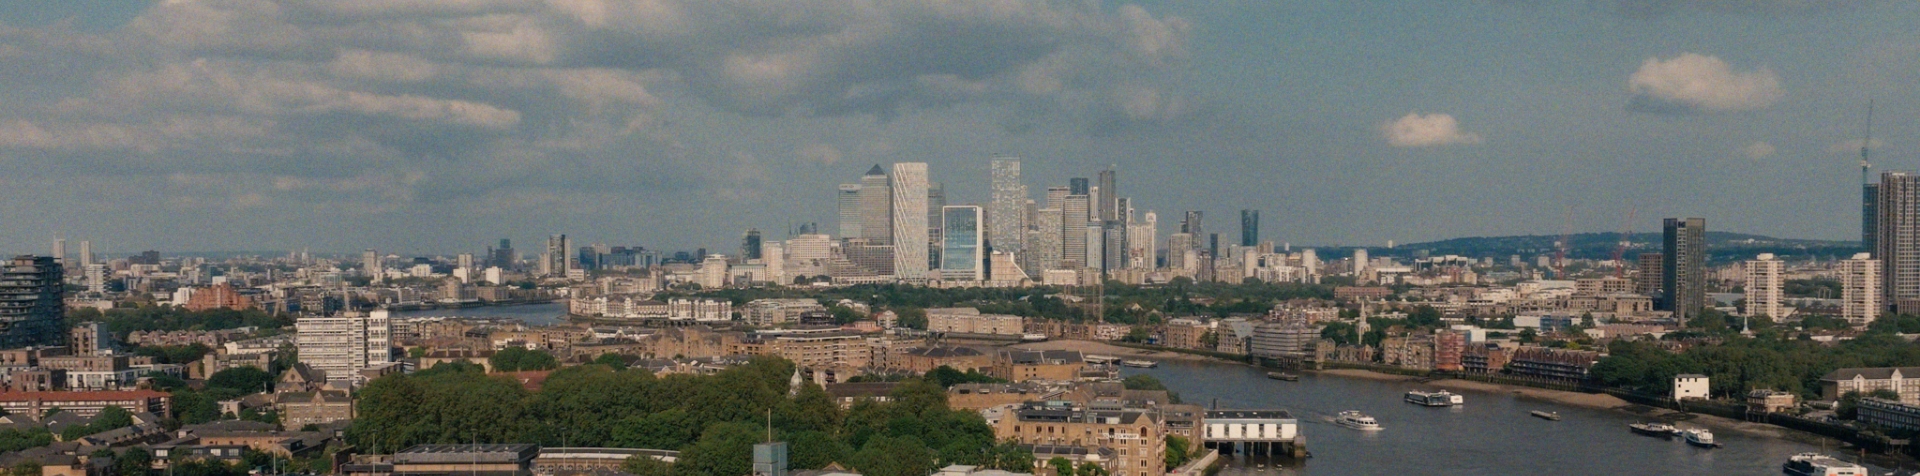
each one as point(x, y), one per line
point(1758, 150)
point(1416, 130)
point(1699, 83)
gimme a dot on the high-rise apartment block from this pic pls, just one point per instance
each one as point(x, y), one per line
point(1109, 195)
point(557, 262)
point(1897, 241)
point(370, 265)
point(1647, 279)
point(342, 346)
point(32, 308)
point(1763, 286)
point(910, 228)
point(1048, 248)
point(1860, 289)
point(1073, 225)
point(1683, 277)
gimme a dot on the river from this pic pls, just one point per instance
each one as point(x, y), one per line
point(1491, 434)
point(532, 314)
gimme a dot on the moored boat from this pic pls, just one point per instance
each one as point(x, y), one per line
point(1653, 429)
point(1140, 363)
point(1283, 376)
point(1699, 437)
point(1816, 464)
point(1555, 416)
point(1356, 420)
point(1441, 398)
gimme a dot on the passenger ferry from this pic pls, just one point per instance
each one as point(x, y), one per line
point(1441, 398)
point(1699, 437)
point(1816, 464)
point(1283, 376)
point(1138, 363)
point(1546, 415)
point(1356, 420)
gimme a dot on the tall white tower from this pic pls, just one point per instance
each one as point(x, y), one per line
point(910, 230)
point(848, 198)
point(1006, 220)
point(1763, 286)
point(876, 206)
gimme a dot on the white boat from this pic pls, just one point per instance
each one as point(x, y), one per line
point(1145, 364)
point(1653, 429)
point(1356, 420)
point(1699, 437)
point(1441, 398)
point(1816, 464)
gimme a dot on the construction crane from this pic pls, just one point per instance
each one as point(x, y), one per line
point(1620, 252)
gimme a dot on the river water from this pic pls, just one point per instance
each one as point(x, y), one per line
point(1492, 434)
point(533, 314)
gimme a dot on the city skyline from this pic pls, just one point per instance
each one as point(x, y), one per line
point(1478, 119)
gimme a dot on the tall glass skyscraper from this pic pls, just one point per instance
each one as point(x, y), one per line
point(876, 207)
point(1683, 276)
point(963, 244)
point(848, 198)
point(1249, 227)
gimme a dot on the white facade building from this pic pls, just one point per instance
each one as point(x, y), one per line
point(343, 346)
point(1007, 219)
point(910, 229)
point(1763, 286)
point(1860, 289)
point(1689, 386)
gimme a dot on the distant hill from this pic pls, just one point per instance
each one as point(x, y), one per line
point(1721, 246)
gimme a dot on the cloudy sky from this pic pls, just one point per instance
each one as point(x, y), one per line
point(438, 126)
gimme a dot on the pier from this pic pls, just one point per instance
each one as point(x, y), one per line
point(1254, 432)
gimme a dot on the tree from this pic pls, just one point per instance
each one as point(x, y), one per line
point(611, 360)
point(814, 450)
point(643, 465)
point(1010, 456)
point(1176, 451)
point(894, 456)
point(244, 379)
point(515, 359)
point(135, 461)
point(1148, 382)
point(724, 449)
point(1090, 469)
point(1062, 466)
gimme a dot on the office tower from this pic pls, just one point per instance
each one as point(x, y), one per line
point(370, 264)
point(1116, 248)
point(1057, 197)
point(963, 244)
point(910, 230)
point(1860, 289)
point(848, 199)
point(1191, 225)
point(1073, 223)
point(750, 245)
point(1897, 240)
point(342, 346)
point(1049, 249)
point(1109, 196)
point(86, 252)
point(503, 257)
point(1249, 227)
point(1763, 286)
point(1006, 220)
point(1647, 278)
point(1096, 246)
point(35, 310)
point(465, 261)
point(1359, 261)
point(1142, 237)
point(1180, 251)
point(876, 207)
point(1213, 245)
point(1078, 186)
point(558, 262)
point(60, 251)
point(1683, 277)
point(775, 256)
point(936, 201)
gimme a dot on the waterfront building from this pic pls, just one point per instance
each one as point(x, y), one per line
point(1860, 289)
point(1763, 287)
point(1449, 350)
point(1889, 414)
point(1288, 342)
point(35, 309)
point(1552, 364)
point(1025, 365)
point(1690, 386)
point(342, 346)
point(1683, 275)
point(1770, 401)
point(966, 320)
point(910, 229)
point(1185, 333)
point(1904, 381)
point(1140, 432)
point(1484, 359)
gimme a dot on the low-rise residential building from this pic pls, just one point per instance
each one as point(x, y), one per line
point(925, 359)
point(1484, 359)
point(299, 409)
point(85, 404)
point(1552, 364)
point(1889, 414)
point(1136, 436)
point(1024, 365)
point(1184, 333)
point(1770, 401)
point(963, 320)
point(773, 312)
